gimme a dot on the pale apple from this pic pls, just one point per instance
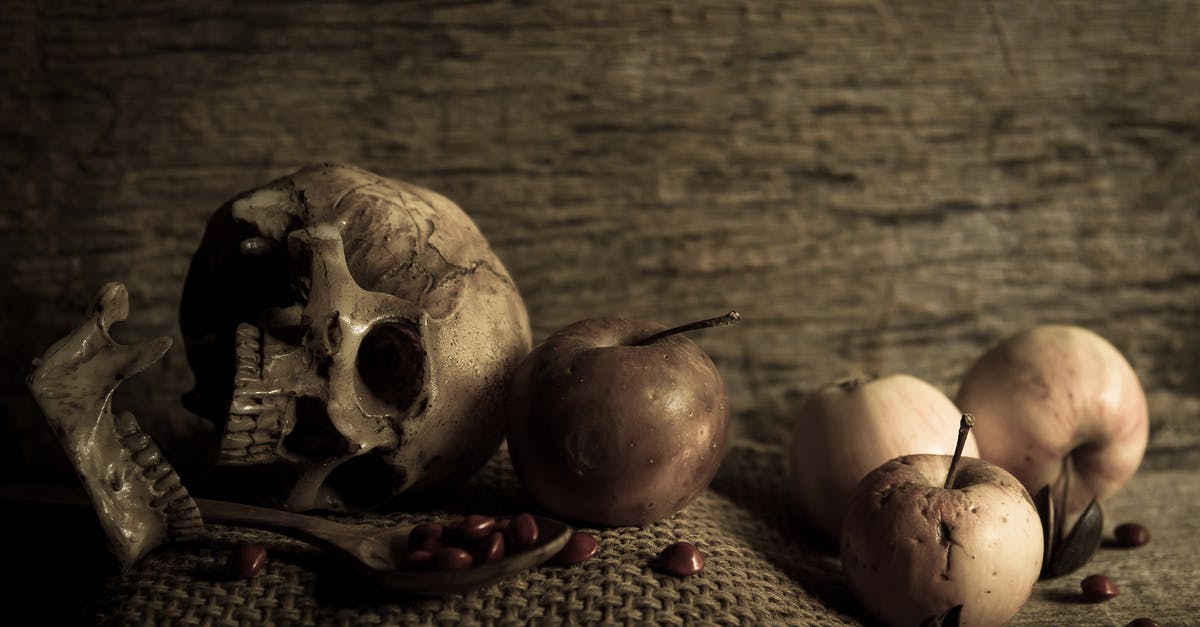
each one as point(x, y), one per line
point(1055, 393)
point(913, 548)
point(848, 428)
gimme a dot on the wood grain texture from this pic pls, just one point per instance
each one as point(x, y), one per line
point(876, 186)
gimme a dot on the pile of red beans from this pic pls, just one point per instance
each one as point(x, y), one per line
point(479, 539)
point(473, 539)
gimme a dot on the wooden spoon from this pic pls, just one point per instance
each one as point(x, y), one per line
point(377, 554)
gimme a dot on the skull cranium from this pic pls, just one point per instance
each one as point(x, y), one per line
point(356, 330)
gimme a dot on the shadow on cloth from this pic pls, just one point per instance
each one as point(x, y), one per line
point(57, 563)
point(754, 477)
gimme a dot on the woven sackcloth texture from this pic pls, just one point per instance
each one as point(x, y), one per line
point(763, 567)
point(757, 572)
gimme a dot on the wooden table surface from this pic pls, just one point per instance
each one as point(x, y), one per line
point(876, 186)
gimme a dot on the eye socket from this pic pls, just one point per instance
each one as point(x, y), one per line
point(391, 363)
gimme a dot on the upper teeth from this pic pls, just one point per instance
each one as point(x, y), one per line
point(257, 410)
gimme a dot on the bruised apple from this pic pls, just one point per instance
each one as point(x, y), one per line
point(848, 428)
point(617, 422)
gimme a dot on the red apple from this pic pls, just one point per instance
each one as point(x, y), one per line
point(848, 428)
point(617, 422)
point(926, 533)
point(1055, 393)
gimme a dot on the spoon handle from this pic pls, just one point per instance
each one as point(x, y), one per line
point(318, 531)
point(311, 529)
point(365, 550)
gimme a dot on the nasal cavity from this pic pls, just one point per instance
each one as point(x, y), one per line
point(391, 363)
point(365, 482)
point(314, 435)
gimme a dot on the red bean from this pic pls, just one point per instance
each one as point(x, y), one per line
point(1098, 588)
point(523, 532)
point(246, 560)
point(681, 559)
point(429, 544)
point(422, 534)
point(475, 526)
point(1131, 534)
point(581, 547)
point(490, 548)
point(452, 558)
point(419, 558)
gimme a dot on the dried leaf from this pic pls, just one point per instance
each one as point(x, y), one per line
point(949, 618)
point(1080, 544)
point(1062, 490)
point(1044, 503)
point(953, 616)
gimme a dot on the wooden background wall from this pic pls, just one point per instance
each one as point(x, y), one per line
point(877, 186)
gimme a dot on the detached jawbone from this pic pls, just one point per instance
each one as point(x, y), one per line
point(137, 495)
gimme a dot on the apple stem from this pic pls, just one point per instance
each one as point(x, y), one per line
point(964, 427)
point(853, 382)
point(719, 321)
point(850, 384)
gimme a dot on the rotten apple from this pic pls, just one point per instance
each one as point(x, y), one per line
point(618, 422)
point(926, 533)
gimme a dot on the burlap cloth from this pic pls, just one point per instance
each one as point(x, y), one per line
point(760, 570)
point(764, 566)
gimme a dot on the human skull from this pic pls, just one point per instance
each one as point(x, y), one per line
point(355, 331)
